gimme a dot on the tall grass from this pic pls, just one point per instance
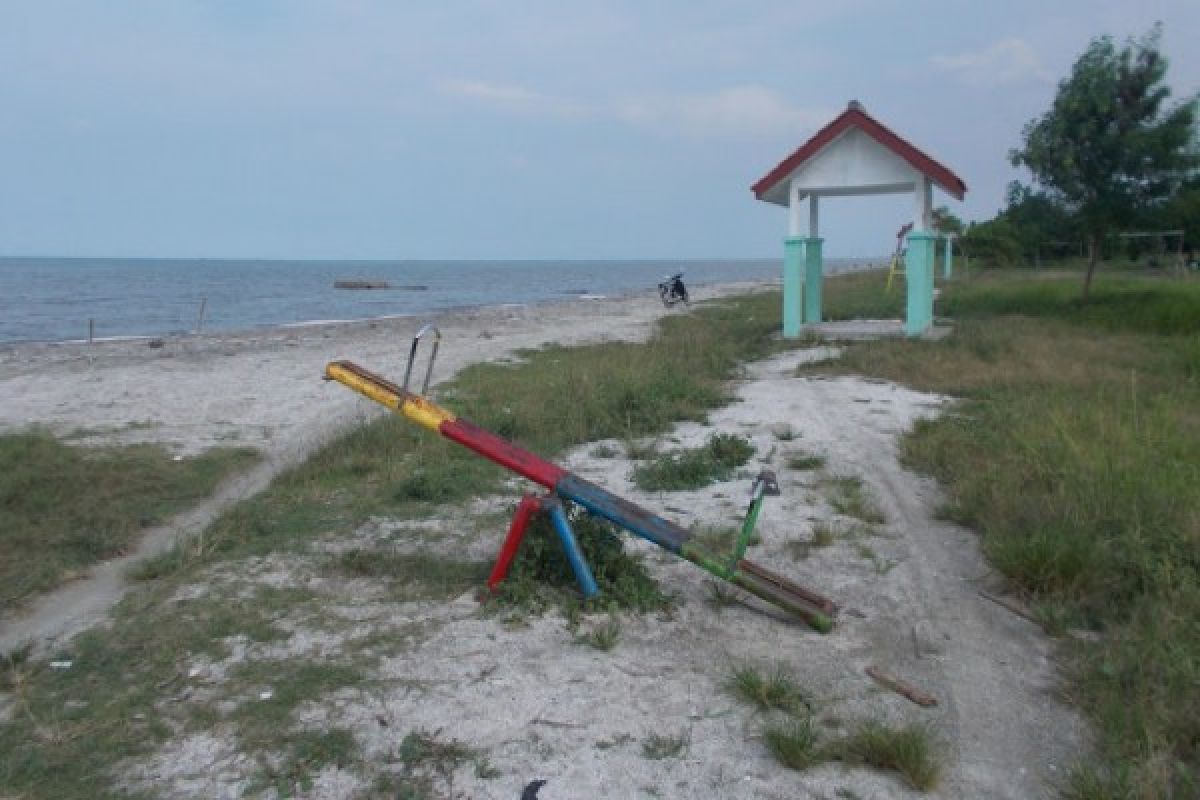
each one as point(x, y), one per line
point(1077, 456)
point(64, 508)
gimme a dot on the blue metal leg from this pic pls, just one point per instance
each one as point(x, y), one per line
point(583, 573)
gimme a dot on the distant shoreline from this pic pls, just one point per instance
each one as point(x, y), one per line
point(165, 323)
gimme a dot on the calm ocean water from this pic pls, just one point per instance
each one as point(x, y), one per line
point(53, 299)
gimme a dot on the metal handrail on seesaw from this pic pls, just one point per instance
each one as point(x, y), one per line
point(814, 609)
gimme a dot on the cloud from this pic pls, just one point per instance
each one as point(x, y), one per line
point(749, 110)
point(510, 97)
point(738, 111)
point(1006, 62)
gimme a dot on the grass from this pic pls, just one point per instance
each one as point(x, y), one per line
point(908, 750)
point(657, 747)
point(603, 637)
point(803, 462)
point(776, 690)
point(427, 765)
point(413, 576)
point(719, 539)
point(1076, 455)
point(540, 576)
point(793, 742)
point(64, 508)
point(848, 497)
point(695, 468)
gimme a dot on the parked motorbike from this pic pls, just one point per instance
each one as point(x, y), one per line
point(672, 290)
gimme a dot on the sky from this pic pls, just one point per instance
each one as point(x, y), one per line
point(526, 129)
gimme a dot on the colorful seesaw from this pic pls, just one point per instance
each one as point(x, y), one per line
point(814, 609)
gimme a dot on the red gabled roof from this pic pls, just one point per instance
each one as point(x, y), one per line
point(855, 117)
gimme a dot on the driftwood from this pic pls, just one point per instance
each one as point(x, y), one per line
point(900, 687)
point(1009, 605)
point(361, 284)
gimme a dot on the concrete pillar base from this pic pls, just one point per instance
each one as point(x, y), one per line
point(793, 255)
point(918, 275)
point(813, 277)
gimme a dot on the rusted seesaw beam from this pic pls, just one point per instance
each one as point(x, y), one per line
point(814, 609)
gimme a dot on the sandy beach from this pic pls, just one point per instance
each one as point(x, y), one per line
point(540, 705)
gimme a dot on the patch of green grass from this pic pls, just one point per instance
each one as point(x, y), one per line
point(604, 450)
point(307, 753)
point(63, 508)
point(1076, 455)
point(825, 533)
point(13, 667)
point(767, 691)
point(849, 497)
point(719, 539)
point(541, 577)
point(413, 576)
point(428, 762)
point(636, 450)
point(908, 750)
point(805, 461)
point(793, 742)
point(697, 467)
point(657, 747)
point(603, 637)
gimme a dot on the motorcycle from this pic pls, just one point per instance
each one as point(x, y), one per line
point(672, 290)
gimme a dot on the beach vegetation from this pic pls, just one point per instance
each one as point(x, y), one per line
point(768, 689)
point(697, 467)
point(418, 575)
point(803, 462)
point(659, 746)
point(848, 496)
point(540, 577)
point(1076, 455)
point(66, 507)
point(719, 539)
point(793, 742)
point(909, 750)
point(604, 636)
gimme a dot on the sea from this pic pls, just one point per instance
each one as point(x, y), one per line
point(69, 299)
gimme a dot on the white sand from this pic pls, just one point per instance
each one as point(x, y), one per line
point(538, 704)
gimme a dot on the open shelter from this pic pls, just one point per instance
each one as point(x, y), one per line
point(855, 155)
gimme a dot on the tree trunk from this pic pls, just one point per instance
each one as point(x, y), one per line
point(1093, 253)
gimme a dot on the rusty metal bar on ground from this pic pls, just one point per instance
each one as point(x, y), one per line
point(814, 609)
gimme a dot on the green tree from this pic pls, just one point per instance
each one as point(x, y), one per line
point(1109, 147)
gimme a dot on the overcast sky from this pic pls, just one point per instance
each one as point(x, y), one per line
point(543, 129)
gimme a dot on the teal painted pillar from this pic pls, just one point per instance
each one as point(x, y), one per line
point(793, 254)
point(918, 275)
point(948, 263)
point(812, 279)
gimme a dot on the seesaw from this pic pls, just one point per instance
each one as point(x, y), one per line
point(814, 609)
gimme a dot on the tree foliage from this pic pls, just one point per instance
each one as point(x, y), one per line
point(1109, 146)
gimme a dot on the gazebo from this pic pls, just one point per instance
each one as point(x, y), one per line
point(855, 155)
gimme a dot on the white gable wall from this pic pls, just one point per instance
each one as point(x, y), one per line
point(855, 163)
